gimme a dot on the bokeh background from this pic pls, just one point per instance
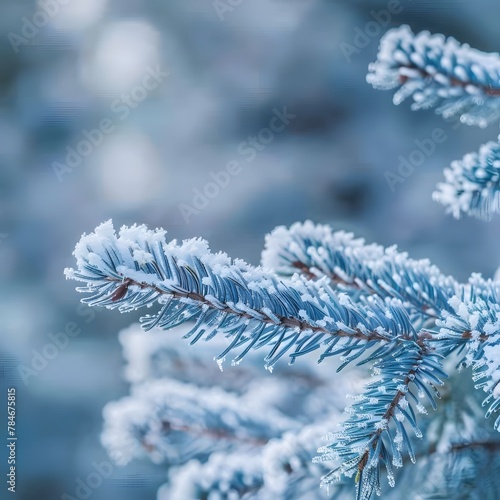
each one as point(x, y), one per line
point(226, 75)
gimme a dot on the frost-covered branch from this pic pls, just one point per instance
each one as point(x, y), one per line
point(284, 469)
point(375, 432)
point(316, 251)
point(472, 185)
point(438, 70)
point(224, 476)
point(303, 388)
point(288, 462)
point(250, 305)
point(466, 83)
point(172, 422)
point(476, 323)
point(243, 308)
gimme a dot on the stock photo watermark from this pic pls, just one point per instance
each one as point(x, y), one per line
point(371, 30)
point(223, 6)
point(406, 166)
point(58, 342)
point(11, 439)
point(48, 9)
point(426, 147)
point(85, 487)
point(121, 108)
point(248, 149)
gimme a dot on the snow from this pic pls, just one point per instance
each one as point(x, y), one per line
point(471, 185)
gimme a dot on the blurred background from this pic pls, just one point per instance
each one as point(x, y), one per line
point(128, 110)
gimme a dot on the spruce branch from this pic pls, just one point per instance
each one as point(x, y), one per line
point(476, 323)
point(326, 293)
point(250, 305)
point(367, 441)
point(437, 70)
point(303, 388)
point(472, 185)
point(349, 263)
point(284, 469)
point(172, 422)
point(237, 475)
point(466, 84)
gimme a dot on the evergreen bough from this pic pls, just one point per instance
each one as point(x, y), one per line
point(324, 294)
point(460, 82)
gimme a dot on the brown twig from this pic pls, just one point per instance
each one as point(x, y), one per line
point(489, 91)
point(283, 321)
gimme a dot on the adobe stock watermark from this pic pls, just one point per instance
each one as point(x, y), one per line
point(86, 487)
point(469, 106)
point(425, 148)
point(371, 30)
point(223, 6)
point(57, 343)
point(249, 149)
point(121, 108)
point(48, 9)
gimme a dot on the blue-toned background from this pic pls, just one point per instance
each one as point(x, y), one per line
point(63, 73)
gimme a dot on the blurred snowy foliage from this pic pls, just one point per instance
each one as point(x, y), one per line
point(410, 323)
point(225, 79)
point(278, 467)
point(240, 433)
point(463, 84)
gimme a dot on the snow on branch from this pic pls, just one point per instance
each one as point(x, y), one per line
point(252, 306)
point(283, 469)
point(288, 462)
point(472, 185)
point(476, 323)
point(211, 297)
point(437, 70)
point(224, 476)
point(172, 422)
point(316, 251)
point(376, 432)
point(303, 387)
